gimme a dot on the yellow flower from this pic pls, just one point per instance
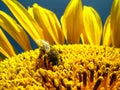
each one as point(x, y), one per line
point(57, 66)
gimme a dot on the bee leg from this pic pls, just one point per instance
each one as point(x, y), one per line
point(42, 52)
point(45, 59)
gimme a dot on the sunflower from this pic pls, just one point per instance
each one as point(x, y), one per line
point(82, 66)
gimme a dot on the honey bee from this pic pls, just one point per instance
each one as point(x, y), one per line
point(49, 56)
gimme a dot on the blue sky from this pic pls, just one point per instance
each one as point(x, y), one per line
point(102, 6)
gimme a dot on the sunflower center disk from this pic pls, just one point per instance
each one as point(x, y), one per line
point(78, 67)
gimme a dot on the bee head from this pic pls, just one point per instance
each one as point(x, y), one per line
point(46, 46)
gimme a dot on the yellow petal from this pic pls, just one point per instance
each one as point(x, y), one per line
point(72, 21)
point(83, 37)
point(4, 53)
point(14, 30)
point(30, 11)
point(93, 25)
point(25, 19)
point(106, 33)
point(5, 46)
point(49, 23)
point(115, 23)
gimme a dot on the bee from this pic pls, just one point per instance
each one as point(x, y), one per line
point(49, 56)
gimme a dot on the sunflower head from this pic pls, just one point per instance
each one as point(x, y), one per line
point(54, 66)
